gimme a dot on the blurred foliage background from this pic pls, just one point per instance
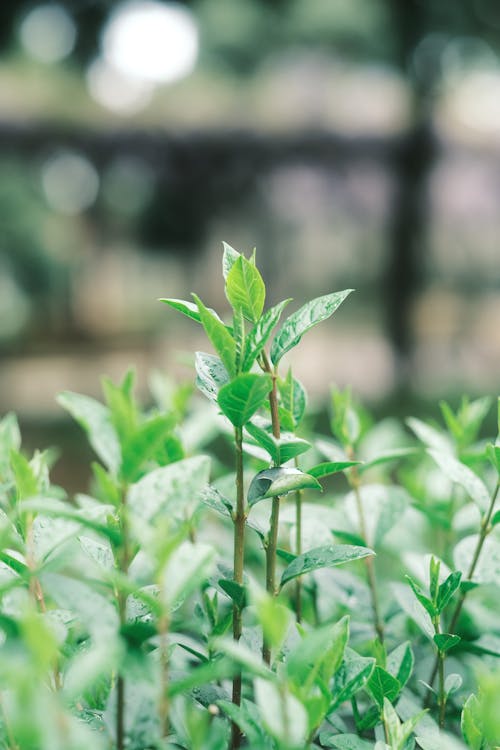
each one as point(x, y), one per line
point(356, 143)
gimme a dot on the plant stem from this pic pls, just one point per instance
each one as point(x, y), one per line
point(163, 703)
point(368, 561)
point(123, 564)
point(483, 533)
point(441, 691)
point(298, 551)
point(272, 540)
point(239, 519)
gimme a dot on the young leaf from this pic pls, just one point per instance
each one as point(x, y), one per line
point(142, 445)
point(245, 289)
point(293, 398)
point(465, 477)
point(445, 641)
point(351, 677)
point(452, 683)
point(432, 437)
point(219, 336)
point(26, 482)
point(447, 589)
point(323, 557)
point(303, 320)
point(471, 723)
point(95, 419)
point(211, 375)
point(422, 598)
point(259, 334)
point(243, 396)
point(187, 308)
point(319, 652)
point(382, 685)
point(235, 591)
point(279, 481)
point(327, 468)
point(400, 663)
point(229, 258)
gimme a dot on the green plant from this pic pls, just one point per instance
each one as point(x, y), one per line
point(189, 602)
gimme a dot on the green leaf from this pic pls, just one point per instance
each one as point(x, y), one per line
point(445, 641)
point(452, 683)
point(305, 318)
point(172, 490)
point(465, 477)
point(245, 289)
point(432, 437)
point(320, 652)
point(323, 557)
point(383, 506)
point(259, 334)
point(279, 481)
point(211, 375)
point(247, 722)
point(95, 418)
point(471, 723)
point(493, 453)
point(26, 482)
point(400, 663)
point(243, 396)
point(280, 449)
point(382, 685)
point(283, 715)
point(424, 600)
point(142, 445)
point(293, 398)
point(344, 741)
point(219, 336)
point(447, 589)
point(229, 258)
point(187, 567)
point(244, 656)
point(327, 468)
point(10, 439)
point(187, 308)
point(384, 457)
point(353, 675)
point(57, 508)
point(235, 591)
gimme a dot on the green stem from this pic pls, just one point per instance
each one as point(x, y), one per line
point(483, 533)
point(164, 705)
point(298, 551)
point(368, 561)
point(239, 519)
point(272, 539)
point(441, 691)
point(123, 564)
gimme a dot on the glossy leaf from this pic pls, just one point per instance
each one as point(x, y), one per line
point(351, 677)
point(327, 468)
point(229, 258)
point(243, 396)
point(95, 418)
point(465, 477)
point(187, 308)
point(400, 663)
point(260, 333)
point(424, 600)
point(382, 685)
point(219, 336)
point(279, 481)
point(447, 589)
point(297, 324)
point(211, 375)
point(280, 449)
point(293, 398)
point(323, 557)
point(245, 289)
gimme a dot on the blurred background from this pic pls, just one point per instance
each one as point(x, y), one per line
point(355, 143)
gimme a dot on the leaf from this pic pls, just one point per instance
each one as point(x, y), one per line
point(452, 683)
point(382, 685)
point(279, 481)
point(471, 723)
point(245, 289)
point(400, 663)
point(259, 334)
point(219, 336)
point(243, 396)
point(383, 506)
point(424, 600)
point(187, 567)
point(465, 477)
point(344, 741)
point(445, 641)
point(323, 557)
point(447, 589)
point(211, 375)
point(95, 418)
point(487, 569)
point(173, 490)
point(244, 656)
point(187, 308)
point(293, 398)
point(280, 449)
point(49, 506)
point(319, 652)
point(305, 318)
point(384, 457)
point(327, 468)
point(351, 677)
point(432, 437)
point(283, 715)
point(142, 445)
point(229, 258)
point(235, 591)
point(26, 482)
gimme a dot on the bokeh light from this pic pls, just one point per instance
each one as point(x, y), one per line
point(48, 33)
point(70, 182)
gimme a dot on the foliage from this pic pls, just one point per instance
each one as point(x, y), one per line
point(181, 604)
